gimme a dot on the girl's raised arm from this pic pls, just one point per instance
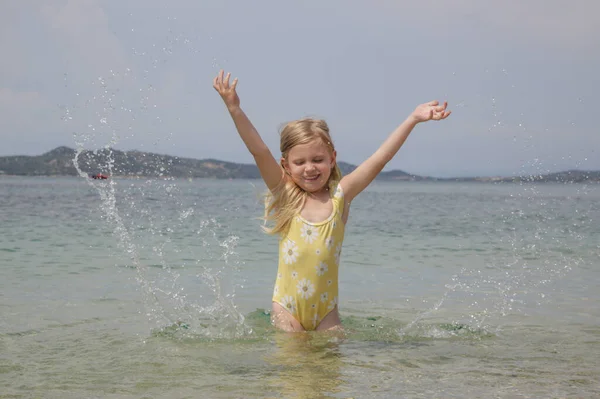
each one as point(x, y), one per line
point(270, 170)
point(355, 182)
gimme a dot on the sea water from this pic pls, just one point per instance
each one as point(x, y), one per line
point(158, 287)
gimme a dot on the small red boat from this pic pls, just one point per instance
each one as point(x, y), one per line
point(99, 176)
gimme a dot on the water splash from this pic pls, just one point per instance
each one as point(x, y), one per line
point(189, 286)
point(534, 246)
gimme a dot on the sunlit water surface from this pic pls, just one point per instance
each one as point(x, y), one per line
point(150, 288)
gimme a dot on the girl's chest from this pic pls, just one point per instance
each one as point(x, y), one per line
point(315, 211)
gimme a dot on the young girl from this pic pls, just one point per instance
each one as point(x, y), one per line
point(309, 202)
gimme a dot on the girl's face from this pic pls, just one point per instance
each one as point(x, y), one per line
point(310, 165)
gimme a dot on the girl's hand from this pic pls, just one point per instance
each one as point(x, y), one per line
point(227, 92)
point(430, 111)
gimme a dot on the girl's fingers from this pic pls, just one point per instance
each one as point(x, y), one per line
point(234, 84)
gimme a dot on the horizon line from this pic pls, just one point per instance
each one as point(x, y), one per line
point(471, 176)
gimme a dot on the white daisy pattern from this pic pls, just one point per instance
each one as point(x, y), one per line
point(329, 242)
point(338, 192)
point(305, 288)
point(309, 233)
point(294, 274)
point(332, 303)
point(324, 297)
point(290, 252)
point(338, 253)
point(276, 290)
point(321, 268)
point(329, 282)
point(289, 302)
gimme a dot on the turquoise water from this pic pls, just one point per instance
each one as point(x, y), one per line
point(148, 288)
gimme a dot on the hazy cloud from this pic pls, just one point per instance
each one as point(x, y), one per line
point(564, 23)
point(86, 40)
point(518, 75)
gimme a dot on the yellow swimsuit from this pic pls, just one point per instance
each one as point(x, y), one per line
point(309, 256)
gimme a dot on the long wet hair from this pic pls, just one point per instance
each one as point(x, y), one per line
point(287, 199)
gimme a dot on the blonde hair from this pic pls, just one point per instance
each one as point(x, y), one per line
point(287, 199)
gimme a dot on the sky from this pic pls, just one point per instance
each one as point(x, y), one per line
point(520, 77)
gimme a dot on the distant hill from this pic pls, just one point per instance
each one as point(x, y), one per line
point(59, 162)
point(568, 176)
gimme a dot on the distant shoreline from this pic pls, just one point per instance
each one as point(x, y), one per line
point(138, 164)
point(391, 181)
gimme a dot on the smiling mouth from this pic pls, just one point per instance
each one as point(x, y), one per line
point(313, 178)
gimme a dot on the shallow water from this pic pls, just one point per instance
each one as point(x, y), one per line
point(157, 288)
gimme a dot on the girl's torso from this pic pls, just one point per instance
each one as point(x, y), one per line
point(309, 256)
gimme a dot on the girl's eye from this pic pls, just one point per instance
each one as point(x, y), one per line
point(318, 161)
point(298, 163)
